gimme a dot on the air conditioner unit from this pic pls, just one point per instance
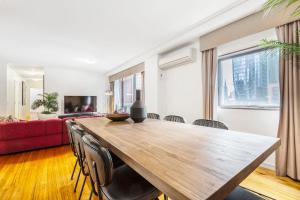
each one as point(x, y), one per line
point(176, 58)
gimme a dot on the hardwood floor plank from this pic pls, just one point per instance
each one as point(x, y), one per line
point(265, 182)
point(45, 174)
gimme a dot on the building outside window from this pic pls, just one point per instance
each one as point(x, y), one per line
point(125, 90)
point(249, 79)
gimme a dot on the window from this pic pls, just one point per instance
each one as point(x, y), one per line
point(249, 80)
point(124, 91)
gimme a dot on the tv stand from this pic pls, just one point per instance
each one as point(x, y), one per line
point(80, 115)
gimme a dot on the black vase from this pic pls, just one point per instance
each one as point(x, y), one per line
point(138, 110)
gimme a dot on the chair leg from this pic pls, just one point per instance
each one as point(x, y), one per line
point(77, 179)
point(91, 194)
point(74, 169)
point(82, 187)
point(165, 197)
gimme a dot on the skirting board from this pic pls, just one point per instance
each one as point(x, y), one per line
point(268, 165)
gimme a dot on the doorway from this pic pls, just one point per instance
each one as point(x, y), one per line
point(25, 84)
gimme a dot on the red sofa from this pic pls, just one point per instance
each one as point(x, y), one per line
point(30, 135)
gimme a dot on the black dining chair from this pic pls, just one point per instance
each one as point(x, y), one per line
point(240, 193)
point(69, 124)
point(78, 133)
point(210, 123)
point(114, 183)
point(174, 118)
point(153, 116)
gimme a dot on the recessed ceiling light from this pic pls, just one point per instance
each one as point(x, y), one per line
point(87, 60)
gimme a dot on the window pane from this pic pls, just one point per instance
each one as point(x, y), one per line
point(124, 91)
point(250, 79)
point(128, 94)
point(138, 81)
point(118, 95)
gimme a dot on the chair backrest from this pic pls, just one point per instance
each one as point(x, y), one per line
point(99, 161)
point(69, 124)
point(174, 118)
point(210, 123)
point(153, 116)
point(77, 134)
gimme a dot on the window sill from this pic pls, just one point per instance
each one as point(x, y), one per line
point(250, 107)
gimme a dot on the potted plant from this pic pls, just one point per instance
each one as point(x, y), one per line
point(49, 103)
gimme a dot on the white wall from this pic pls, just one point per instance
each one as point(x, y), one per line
point(152, 76)
point(3, 86)
point(12, 78)
point(181, 89)
point(71, 82)
point(262, 122)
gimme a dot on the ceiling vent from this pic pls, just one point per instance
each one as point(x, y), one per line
point(177, 58)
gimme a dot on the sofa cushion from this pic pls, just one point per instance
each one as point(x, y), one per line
point(53, 126)
point(36, 128)
point(13, 130)
point(29, 143)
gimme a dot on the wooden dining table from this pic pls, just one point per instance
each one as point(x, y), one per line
point(184, 161)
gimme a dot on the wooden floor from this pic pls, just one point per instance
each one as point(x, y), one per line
point(45, 174)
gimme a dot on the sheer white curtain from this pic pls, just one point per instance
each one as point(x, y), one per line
point(118, 95)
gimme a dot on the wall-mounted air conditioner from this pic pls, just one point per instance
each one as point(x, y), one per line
point(176, 58)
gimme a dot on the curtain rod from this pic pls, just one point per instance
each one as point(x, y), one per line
point(256, 47)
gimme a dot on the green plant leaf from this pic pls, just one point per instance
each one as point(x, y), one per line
point(271, 4)
point(286, 48)
point(296, 11)
point(48, 101)
point(46, 112)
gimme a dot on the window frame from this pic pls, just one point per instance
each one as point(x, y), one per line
point(133, 87)
point(231, 56)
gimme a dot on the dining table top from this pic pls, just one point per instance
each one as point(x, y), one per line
point(184, 161)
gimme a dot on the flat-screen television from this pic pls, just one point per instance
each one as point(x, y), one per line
point(80, 104)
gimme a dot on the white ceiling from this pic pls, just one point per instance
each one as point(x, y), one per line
point(28, 72)
point(93, 34)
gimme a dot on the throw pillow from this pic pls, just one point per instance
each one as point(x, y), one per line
point(8, 119)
